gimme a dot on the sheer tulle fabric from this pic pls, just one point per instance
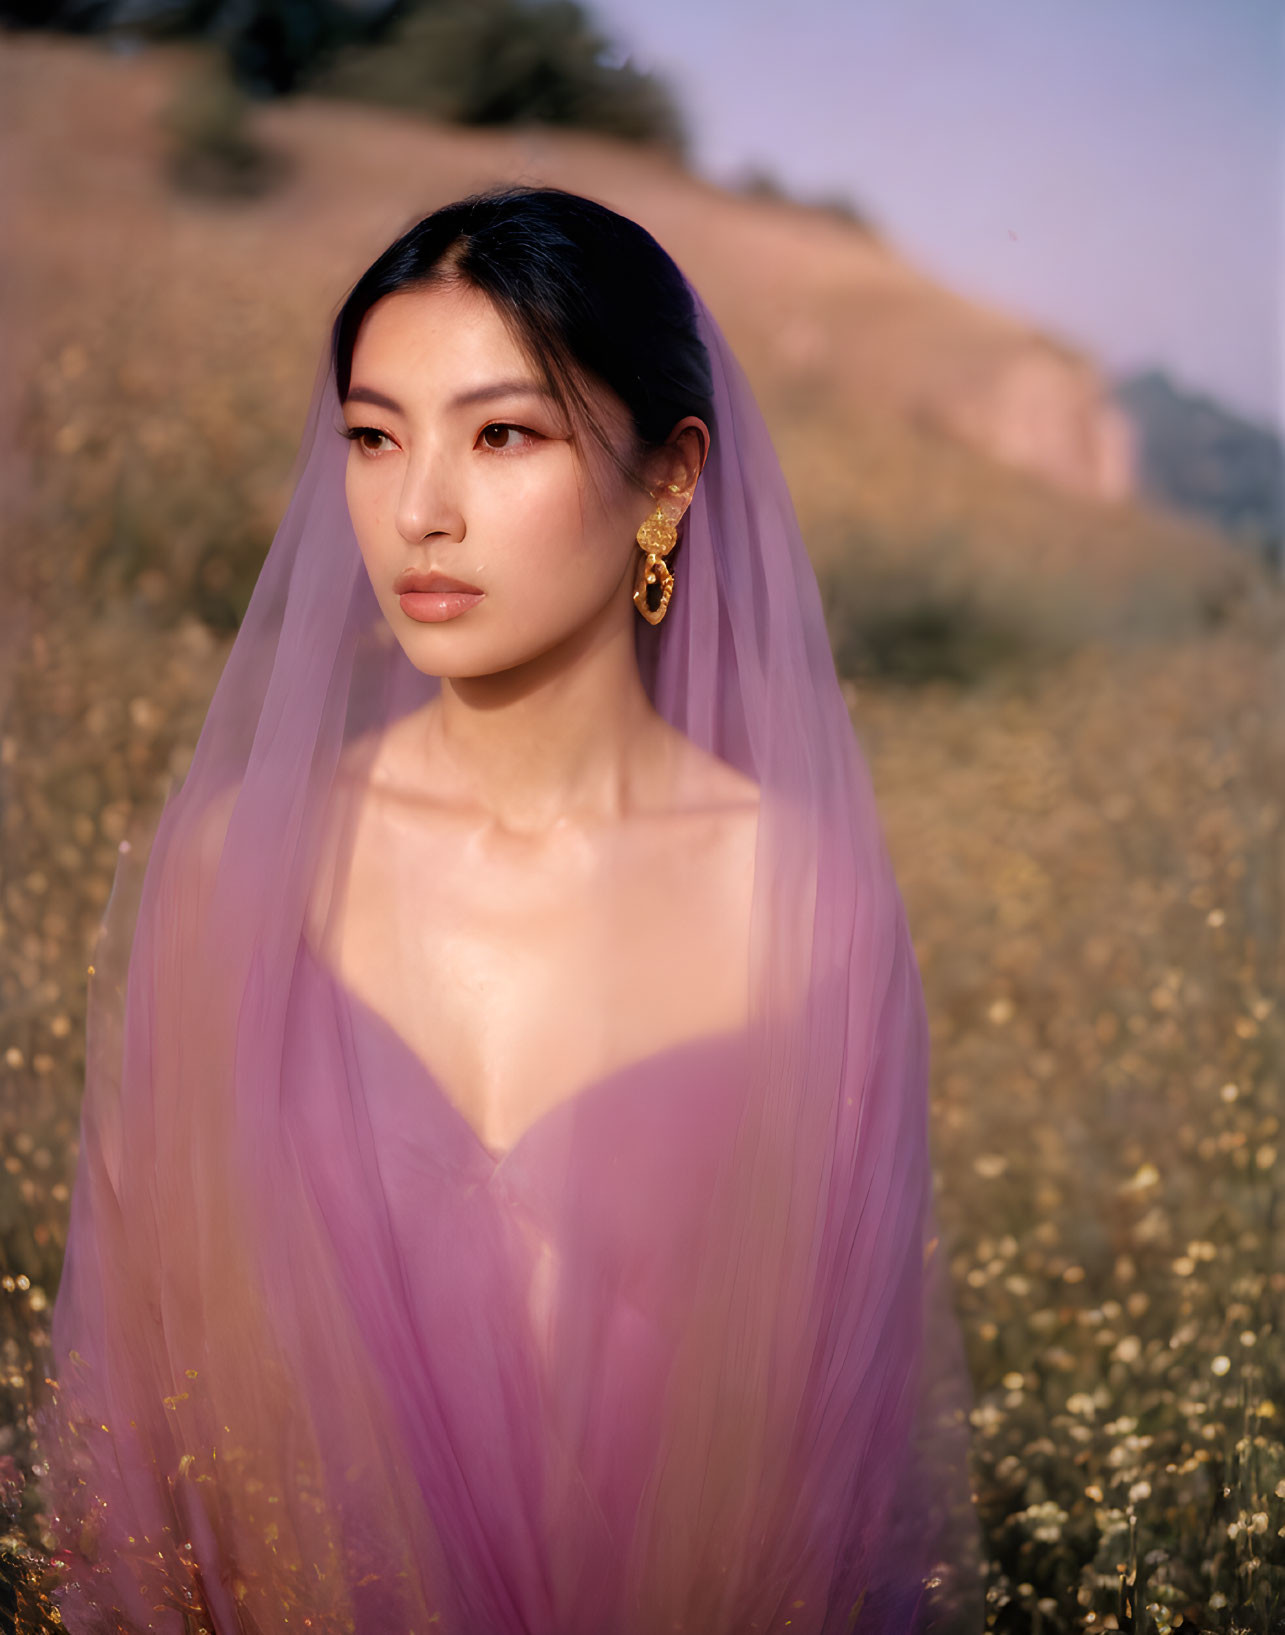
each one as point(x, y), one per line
point(683, 1359)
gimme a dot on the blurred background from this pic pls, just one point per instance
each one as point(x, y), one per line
point(1007, 276)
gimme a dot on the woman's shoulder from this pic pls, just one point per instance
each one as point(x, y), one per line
point(711, 784)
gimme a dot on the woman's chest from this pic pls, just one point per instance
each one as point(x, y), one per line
point(519, 979)
point(609, 1191)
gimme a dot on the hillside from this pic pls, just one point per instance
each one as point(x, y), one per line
point(166, 344)
point(843, 303)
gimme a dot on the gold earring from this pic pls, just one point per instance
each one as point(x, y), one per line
point(656, 537)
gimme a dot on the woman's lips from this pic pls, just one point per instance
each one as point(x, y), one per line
point(433, 597)
point(433, 606)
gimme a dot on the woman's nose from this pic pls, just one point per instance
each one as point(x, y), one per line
point(427, 503)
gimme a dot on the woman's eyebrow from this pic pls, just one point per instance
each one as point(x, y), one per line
point(477, 394)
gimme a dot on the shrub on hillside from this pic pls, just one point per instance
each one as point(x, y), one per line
point(912, 617)
point(212, 149)
point(504, 62)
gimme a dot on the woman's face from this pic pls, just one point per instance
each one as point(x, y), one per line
point(462, 467)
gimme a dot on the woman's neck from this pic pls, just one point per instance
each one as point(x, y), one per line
point(563, 739)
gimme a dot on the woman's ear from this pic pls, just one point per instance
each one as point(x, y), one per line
point(680, 460)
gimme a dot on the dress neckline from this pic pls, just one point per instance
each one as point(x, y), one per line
point(497, 1157)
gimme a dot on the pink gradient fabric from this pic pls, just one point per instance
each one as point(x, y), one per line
point(682, 1359)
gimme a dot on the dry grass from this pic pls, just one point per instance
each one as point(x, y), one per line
point(1094, 865)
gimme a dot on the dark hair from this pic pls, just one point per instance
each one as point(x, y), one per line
point(585, 291)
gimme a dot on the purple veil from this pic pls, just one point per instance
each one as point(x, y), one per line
point(294, 1387)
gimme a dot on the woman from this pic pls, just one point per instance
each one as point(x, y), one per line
point(504, 1199)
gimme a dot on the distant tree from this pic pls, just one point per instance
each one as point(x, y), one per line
point(62, 16)
point(485, 62)
point(502, 62)
point(757, 181)
point(270, 44)
point(840, 205)
point(274, 45)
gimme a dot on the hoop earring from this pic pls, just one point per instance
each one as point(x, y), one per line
point(656, 538)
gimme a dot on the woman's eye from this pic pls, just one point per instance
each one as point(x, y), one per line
point(359, 434)
point(503, 428)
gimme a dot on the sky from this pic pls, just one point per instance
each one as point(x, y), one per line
point(1112, 169)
